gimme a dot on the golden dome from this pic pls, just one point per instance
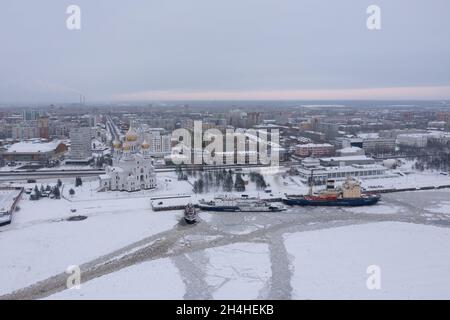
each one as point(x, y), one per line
point(131, 135)
point(126, 147)
point(116, 144)
point(145, 145)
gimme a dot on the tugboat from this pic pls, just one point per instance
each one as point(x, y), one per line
point(349, 195)
point(230, 204)
point(190, 215)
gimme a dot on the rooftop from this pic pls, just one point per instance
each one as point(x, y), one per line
point(314, 145)
point(33, 147)
point(349, 149)
point(347, 158)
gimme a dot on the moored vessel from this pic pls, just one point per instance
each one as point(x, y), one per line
point(349, 195)
point(231, 204)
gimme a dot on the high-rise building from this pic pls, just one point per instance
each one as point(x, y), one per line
point(25, 130)
point(160, 144)
point(42, 124)
point(80, 145)
point(253, 118)
point(30, 115)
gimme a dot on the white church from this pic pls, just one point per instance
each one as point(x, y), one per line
point(132, 168)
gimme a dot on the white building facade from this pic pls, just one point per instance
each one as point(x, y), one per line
point(417, 140)
point(132, 168)
point(311, 168)
point(160, 145)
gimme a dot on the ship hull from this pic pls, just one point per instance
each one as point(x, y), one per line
point(266, 209)
point(353, 202)
point(219, 208)
point(190, 221)
point(240, 209)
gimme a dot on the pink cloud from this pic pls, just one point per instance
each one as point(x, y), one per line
point(394, 93)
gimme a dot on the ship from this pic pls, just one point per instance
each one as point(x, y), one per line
point(349, 195)
point(190, 214)
point(231, 204)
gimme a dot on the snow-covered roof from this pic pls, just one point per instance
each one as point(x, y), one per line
point(314, 145)
point(347, 158)
point(33, 147)
point(348, 168)
point(369, 135)
point(357, 167)
point(413, 135)
point(349, 149)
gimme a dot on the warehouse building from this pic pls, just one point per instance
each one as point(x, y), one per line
point(34, 151)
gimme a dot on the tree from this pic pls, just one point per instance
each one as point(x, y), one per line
point(239, 184)
point(181, 175)
point(196, 187)
point(228, 183)
point(261, 182)
point(56, 192)
point(210, 178)
point(37, 192)
point(206, 184)
point(72, 192)
point(199, 186)
point(59, 183)
point(218, 178)
point(258, 179)
point(78, 182)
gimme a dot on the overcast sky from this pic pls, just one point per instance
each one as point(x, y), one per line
point(223, 49)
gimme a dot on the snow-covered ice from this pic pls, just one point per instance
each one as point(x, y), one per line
point(377, 209)
point(314, 252)
point(441, 207)
point(157, 280)
point(41, 243)
point(332, 264)
point(238, 271)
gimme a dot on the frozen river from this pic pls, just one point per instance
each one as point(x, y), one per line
point(300, 253)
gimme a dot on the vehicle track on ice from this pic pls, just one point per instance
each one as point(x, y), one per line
point(175, 243)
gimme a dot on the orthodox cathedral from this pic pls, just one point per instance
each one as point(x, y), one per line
point(132, 168)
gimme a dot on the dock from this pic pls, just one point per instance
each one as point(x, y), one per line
point(9, 198)
point(170, 202)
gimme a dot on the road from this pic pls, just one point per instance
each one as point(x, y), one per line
point(44, 174)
